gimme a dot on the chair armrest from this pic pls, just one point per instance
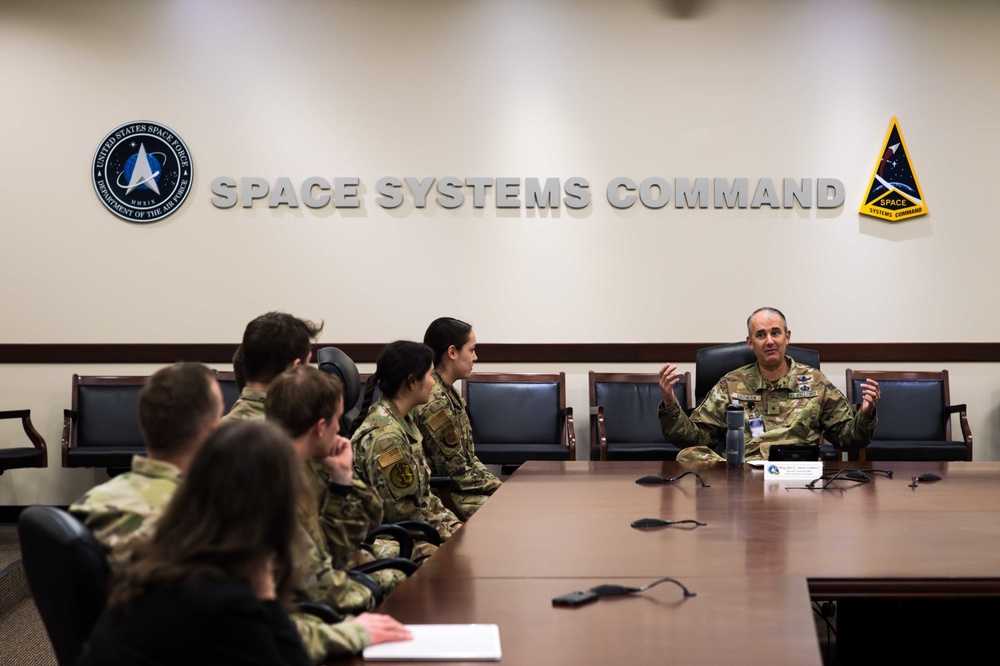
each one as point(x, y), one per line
point(421, 530)
point(362, 578)
point(568, 430)
point(440, 482)
point(963, 420)
point(36, 439)
point(397, 532)
point(398, 563)
point(322, 611)
point(598, 433)
point(69, 430)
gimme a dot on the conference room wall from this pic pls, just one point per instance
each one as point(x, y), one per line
point(711, 89)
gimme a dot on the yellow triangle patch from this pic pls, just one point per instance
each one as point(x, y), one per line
point(894, 192)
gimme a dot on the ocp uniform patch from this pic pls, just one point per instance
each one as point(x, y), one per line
point(437, 420)
point(396, 471)
point(402, 481)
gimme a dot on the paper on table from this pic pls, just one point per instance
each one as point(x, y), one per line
point(460, 642)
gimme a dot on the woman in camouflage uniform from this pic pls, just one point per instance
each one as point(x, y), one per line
point(388, 448)
point(443, 421)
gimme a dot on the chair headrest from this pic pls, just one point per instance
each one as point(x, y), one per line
point(335, 362)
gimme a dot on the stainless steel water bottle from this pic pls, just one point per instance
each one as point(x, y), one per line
point(735, 442)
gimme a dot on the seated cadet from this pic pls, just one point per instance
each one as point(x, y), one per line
point(272, 343)
point(388, 454)
point(308, 404)
point(179, 407)
point(785, 402)
point(443, 421)
point(209, 585)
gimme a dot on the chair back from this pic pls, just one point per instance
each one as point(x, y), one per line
point(519, 416)
point(630, 403)
point(229, 388)
point(68, 576)
point(713, 363)
point(911, 405)
point(103, 426)
point(623, 416)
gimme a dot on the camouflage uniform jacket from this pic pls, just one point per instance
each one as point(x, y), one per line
point(347, 515)
point(122, 511)
point(249, 407)
point(796, 409)
point(448, 444)
point(389, 457)
point(319, 580)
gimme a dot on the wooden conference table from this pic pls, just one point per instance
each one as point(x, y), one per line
point(767, 549)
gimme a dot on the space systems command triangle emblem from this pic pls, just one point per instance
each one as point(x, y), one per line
point(142, 171)
point(894, 193)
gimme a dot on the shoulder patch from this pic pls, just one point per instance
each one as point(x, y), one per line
point(401, 479)
point(389, 457)
point(437, 420)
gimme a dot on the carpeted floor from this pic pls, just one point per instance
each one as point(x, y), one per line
point(23, 641)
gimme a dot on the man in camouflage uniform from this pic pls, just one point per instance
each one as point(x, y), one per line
point(785, 402)
point(179, 407)
point(308, 404)
point(389, 457)
point(447, 440)
point(272, 343)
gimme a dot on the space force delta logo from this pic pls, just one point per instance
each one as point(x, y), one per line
point(142, 171)
point(894, 193)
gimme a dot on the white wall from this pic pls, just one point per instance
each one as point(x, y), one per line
point(671, 88)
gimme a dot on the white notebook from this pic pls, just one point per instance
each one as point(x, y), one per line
point(459, 642)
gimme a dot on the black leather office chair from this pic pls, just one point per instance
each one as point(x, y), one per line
point(334, 361)
point(67, 574)
point(102, 428)
point(712, 364)
point(229, 388)
point(623, 418)
point(519, 416)
point(914, 417)
point(19, 457)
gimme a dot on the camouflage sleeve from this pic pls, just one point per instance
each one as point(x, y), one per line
point(443, 520)
point(391, 469)
point(344, 517)
point(450, 451)
point(705, 426)
point(320, 581)
point(842, 426)
point(322, 640)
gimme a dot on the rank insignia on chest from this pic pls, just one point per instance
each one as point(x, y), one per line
point(389, 457)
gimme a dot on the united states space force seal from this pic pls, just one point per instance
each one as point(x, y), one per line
point(142, 171)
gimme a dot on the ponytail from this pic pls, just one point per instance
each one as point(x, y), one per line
point(367, 402)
